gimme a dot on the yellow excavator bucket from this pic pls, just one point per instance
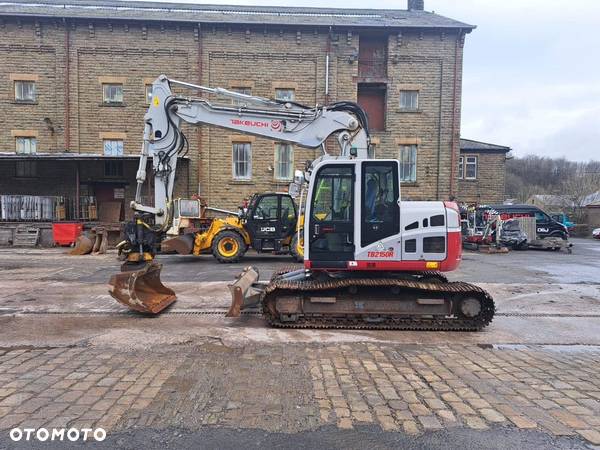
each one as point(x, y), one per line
point(142, 290)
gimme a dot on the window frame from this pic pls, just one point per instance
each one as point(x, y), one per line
point(461, 167)
point(248, 162)
point(276, 173)
point(280, 89)
point(29, 173)
point(105, 100)
point(467, 163)
point(16, 83)
point(404, 92)
point(120, 148)
point(238, 89)
point(148, 93)
point(30, 138)
point(115, 163)
point(401, 162)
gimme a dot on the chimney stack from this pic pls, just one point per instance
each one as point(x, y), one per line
point(416, 5)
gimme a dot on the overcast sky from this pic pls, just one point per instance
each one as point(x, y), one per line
point(531, 70)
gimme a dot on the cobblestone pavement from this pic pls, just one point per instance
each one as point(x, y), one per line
point(292, 388)
point(72, 357)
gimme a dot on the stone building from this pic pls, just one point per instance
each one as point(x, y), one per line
point(481, 172)
point(75, 79)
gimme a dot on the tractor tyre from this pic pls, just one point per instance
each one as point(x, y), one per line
point(297, 247)
point(228, 247)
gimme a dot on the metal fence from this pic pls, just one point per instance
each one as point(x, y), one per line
point(40, 208)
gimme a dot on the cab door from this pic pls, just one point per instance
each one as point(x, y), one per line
point(263, 221)
point(331, 222)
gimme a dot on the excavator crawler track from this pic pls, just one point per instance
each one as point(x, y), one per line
point(378, 303)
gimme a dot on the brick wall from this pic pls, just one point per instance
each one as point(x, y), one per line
point(488, 188)
point(225, 56)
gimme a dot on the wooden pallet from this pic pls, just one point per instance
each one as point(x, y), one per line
point(26, 236)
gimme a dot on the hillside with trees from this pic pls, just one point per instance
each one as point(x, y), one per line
point(533, 175)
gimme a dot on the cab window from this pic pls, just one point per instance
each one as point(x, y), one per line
point(333, 195)
point(266, 208)
point(380, 210)
point(288, 212)
point(541, 217)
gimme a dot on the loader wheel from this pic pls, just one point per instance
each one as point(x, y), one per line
point(297, 247)
point(228, 247)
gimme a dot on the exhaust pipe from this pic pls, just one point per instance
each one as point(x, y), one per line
point(142, 290)
point(245, 291)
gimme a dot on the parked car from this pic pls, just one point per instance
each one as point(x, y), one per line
point(596, 233)
point(546, 226)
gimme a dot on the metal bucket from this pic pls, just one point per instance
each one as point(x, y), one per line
point(142, 290)
point(83, 245)
point(245, 291)
point(183, 245)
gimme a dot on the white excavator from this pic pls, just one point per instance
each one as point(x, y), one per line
point(370, 259)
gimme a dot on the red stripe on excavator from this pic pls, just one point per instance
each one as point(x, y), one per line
point(451, 262)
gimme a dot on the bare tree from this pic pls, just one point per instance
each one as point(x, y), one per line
point(576, 189)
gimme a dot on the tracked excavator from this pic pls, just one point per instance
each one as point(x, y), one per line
point(371, 261)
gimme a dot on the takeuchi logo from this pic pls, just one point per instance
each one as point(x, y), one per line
point(275, 125)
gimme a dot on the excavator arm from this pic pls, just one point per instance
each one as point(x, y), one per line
point(278, 120)
point(138, 286)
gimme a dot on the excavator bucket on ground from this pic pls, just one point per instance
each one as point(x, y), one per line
point(142, 290)
point(83, 245)
point(101, 243)
point(245, 291)
point(183, 245)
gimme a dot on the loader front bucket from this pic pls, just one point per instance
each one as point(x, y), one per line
point(142, 290)
point(83, 245)
point(245, 291)
point(183, 245)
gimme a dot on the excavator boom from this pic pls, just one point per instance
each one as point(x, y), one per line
point(165, 143)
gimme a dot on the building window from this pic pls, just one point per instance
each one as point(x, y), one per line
point(113, 147)
point(409, 100)
point(470, 167)
point(25, 91)
point(285, 95)
point(148, 92)
point(284, 161)
point(240, 90)
point(408, 163)
point(112, 93)
point(26, 145)
point(113, 168)
point(461, 167)
point(242, 161)
point(26, 169)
